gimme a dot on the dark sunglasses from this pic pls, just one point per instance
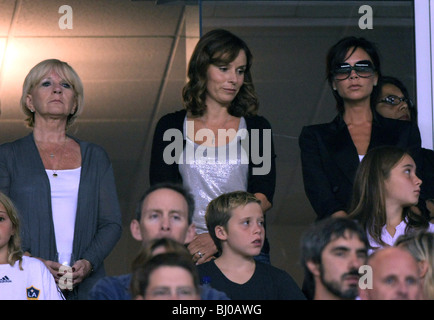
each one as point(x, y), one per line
point(394, 100)
point(363, 69)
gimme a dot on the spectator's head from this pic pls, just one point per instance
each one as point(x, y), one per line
point(165, 211)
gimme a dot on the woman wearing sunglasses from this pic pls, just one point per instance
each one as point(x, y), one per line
point(394, 102)
point(331, 152)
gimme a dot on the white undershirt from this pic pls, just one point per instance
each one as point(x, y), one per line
point(64, 196)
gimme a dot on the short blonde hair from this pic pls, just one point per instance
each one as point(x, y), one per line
point(66, 72)
point(421, 245)
point(14, 246)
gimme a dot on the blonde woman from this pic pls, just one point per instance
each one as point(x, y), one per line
point(63, 187)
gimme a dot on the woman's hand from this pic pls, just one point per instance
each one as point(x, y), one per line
point(53, 267)
point(62, 274)
point(77, 273)
point(80, 271)
point(265, 204)
point(202, 248)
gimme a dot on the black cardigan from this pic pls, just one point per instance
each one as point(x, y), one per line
point(98, 223)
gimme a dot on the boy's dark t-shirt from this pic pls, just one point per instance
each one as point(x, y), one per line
point(266, 283)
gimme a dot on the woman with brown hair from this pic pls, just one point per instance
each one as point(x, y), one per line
point(220, 144)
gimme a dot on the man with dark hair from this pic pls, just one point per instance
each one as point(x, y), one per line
point(167, 276)
point(332, 251)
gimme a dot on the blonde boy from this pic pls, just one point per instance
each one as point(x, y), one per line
point(235, 222)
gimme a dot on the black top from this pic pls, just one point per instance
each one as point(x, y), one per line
point(266, 283)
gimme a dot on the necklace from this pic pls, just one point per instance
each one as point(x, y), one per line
point(52, 155)
point(60, 159)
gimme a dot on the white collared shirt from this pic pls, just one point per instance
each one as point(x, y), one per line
point(388, 238)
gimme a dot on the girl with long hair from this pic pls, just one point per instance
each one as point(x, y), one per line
point(385, 189)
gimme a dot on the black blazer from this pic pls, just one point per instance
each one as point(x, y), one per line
point(329, 158)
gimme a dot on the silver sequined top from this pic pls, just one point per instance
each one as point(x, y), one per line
point(211, 171)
